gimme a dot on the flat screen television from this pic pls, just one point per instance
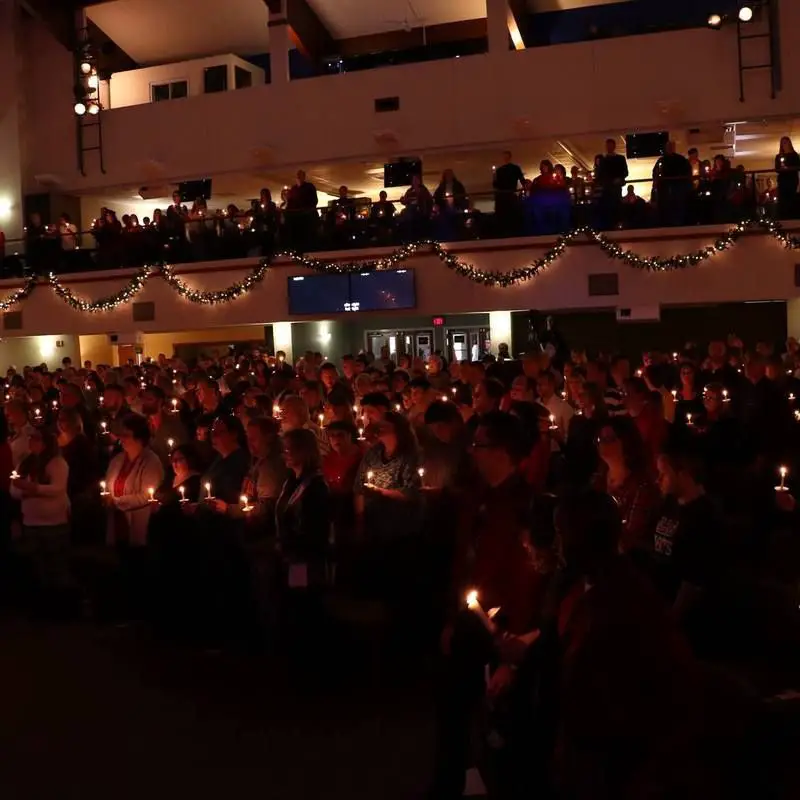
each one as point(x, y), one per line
point(385, 290)
point(319, 294)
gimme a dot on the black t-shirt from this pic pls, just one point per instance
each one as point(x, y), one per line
point(687, 545)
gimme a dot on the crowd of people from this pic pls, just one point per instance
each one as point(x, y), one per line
point(603, 554)
point(685, 190)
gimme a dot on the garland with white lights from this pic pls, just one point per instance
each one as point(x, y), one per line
point(488, 278)
point(124, 295)
point(212, 298)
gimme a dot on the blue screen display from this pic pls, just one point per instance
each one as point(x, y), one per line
point(382, 291)
point(319, 294)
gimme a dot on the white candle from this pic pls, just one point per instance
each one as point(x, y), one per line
point(454, 391)
point(170, 443)
point(209, 496)
point(14, 475)
point(103, 491)
point(104, 426)
point(421, 472)
point(174, 404)
point(37, 413)
point(55, 403)
point(689, 422)
point(182, 490)
point(674, 394)
point(791, 397)
point(474, 606)
point(783, 472)
point(553, 426)
point(370, 476)
point(725, 398)
point(445, 398)
point(398, 408)
point(246, 507)
point(152, 492)
point(276, 411)
point(322, 420)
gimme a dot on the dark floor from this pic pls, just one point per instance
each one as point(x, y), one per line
point(89, 712)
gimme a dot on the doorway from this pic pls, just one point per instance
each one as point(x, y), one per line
point(468, 344)
point(416, 343)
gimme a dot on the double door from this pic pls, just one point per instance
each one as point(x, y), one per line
point(416, 343)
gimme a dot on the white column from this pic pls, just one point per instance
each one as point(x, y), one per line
point(497, 25)
point(500, 329)
point(279, 47)
point(12, 154)
point(793, 318)
point(282, 337)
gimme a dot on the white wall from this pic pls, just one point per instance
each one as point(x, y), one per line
point(34, 350)
point(756, 268)
point(674, 80)
point(132, 87)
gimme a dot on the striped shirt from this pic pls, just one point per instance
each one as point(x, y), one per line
point(614, 403)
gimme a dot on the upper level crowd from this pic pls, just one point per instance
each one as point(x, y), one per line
point(684, 190)
point(605, 553)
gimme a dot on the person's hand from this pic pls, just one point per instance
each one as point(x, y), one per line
point(25, 486)
point(500, 681)
point(446, 640)
point(785, 501)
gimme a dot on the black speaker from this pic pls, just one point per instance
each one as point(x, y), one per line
point(191, 190)
point(646, 145)
point(399, 173)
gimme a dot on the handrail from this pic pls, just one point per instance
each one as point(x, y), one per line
point(555, 209)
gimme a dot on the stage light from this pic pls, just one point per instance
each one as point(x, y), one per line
point(94, 109)
point(745, 13)
point(714, 21)
point(80, 109)
point(86, 67)
point(93, 82)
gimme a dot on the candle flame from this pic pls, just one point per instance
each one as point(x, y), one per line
point(472, 598)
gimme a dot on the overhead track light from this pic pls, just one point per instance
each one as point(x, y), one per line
point(745, 13)
point(80, 109)
point(714, 21)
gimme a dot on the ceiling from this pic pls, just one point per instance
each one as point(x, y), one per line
point(346, 19)
point(155, 31)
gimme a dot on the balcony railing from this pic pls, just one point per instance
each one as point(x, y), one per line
point(230, 234)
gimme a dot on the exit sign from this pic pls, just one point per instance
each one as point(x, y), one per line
point(438, 322)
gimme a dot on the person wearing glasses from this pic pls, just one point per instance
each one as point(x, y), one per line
point(625, 476)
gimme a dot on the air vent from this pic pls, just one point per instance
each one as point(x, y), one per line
point(144, 312)
point(12, 321)
point(604, 284)
point(384, 104)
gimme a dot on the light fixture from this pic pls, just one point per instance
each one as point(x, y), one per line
point(93, 82)
point(714, 21)
point(745, 13)
point(94, 108)
point(86, 67)
point(80, 109)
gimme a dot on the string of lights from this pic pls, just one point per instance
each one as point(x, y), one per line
point(232, 292)
point(394, 260)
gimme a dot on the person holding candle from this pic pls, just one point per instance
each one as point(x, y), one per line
point(84, 473)
point(16, 414)
point(295, 416)
point(787, 165)
point(41, 489)
point(230, 466)
point(303, 522)
point(625, 476)
point(164, 426)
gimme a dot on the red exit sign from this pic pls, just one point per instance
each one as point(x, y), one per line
point(438, 322)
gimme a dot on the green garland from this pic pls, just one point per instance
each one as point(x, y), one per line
point(487, 278)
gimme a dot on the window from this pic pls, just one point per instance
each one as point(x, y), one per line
point(215, 79)
point(168, 91)
point(242, 77)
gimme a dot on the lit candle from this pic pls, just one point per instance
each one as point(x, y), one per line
point(797, 416)
point(182, 490)
point(674, 394)
point(14, 475)
point(101, 399)
point(152, 492)
point(553, 426)
point(454, 391)
point(209, 496)
point(674, 356)
point(398, 408)
point(55, 403)
point(37, 412)
point(689, 422)
point(174, 404)
point(421, 472)
point(360, 434)
point(170, 443)
point(321, 420)
point(103, 492)
point(246, 507)
point(276, 411)
point(725, 398)
point(639, 373)
point(370, 476)
point(355, 410)
point(783, 472)
point(474, 606)
point(791, 397)
point(445, 398)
